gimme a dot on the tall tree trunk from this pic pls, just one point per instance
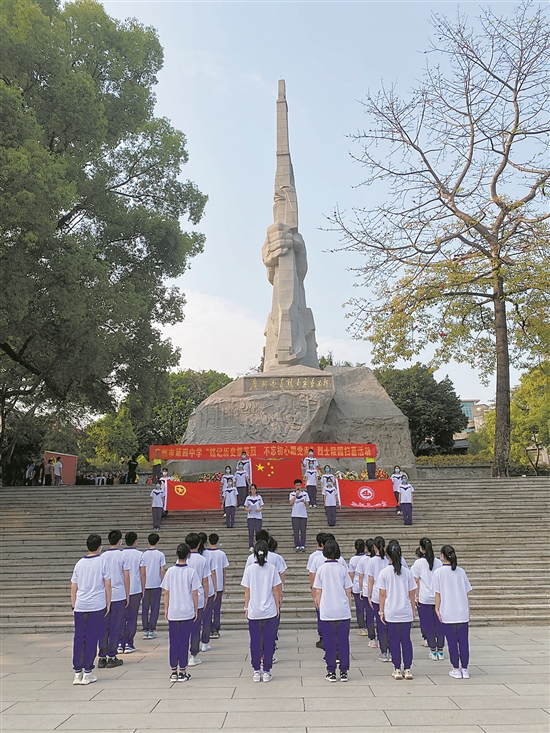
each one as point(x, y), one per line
point(501, 461)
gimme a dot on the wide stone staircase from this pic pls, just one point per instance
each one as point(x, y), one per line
point(499, 528)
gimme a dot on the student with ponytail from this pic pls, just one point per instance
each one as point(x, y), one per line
point(376, 564)
point(262, 603)
point(397, 587)
point(423, 571)
point(451, 587)
point(360, 603)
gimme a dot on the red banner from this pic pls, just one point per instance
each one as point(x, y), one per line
point(191, 497)
point(367, 494)
point(276, 473)
point(265, 451)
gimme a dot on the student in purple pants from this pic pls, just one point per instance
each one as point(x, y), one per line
point(253, 506)
point(202, 567)
point(332, 589)
point(206, 623)
point(363, 583)
point(90, 601)
point(355, 563)
point(299, 501)
point(406, 499)
point(118, 568)
point(132, 557)
point(152, 568)
point(181, 586)
point(262, 603)
point(423, 571)
point(451, 587)
point(376, 564)
point(218, 562)
point(397, 589)
point(229, 502)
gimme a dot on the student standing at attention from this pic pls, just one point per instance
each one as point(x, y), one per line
point(206, 623)
point(360, 602)
point(229, 502)
point(332, 589)
point(158, 496)
point(90, 601)
point(406, 499)
point(225, 477)
point(202, 567)
point(132, 559)
point(241, 483)
point(363, 583)
point(219, 563)
point(152, 569)
point(331, 497)
point(396, 483)
point(423, 571)
point(253, 506)
point(376, 564)
point(397, 588)
point(299, 501)
point(310, 464)
point(451, 587)
point(262, 601)
point(119, 573)
point(181, 597)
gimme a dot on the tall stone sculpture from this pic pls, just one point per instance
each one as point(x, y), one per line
point(290, 329)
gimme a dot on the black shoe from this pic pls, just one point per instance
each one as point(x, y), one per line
point(343, 676)
point(330, 676)
point(184, 677)
point(101, 662)
point(320, 644)
point(114, 662)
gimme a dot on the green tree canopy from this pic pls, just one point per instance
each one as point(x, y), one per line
point(433, 408)
point(90, 208)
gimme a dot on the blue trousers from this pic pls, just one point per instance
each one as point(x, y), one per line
point(431, 626)
point(360, 610)
point(381, 628)
point(400, 643)
point(112, 630)
point(299, 526)
point(195, 638)
point(130, 620)
point(336, 639)
point(206, 626)
point(457, 641)
point(263, 633)
point(407, 510)
point(178, 635)
point(150, 608)
point(88, 627)
point(254, 525)
point(229, 516)
point(331, 515)
point(216, 611)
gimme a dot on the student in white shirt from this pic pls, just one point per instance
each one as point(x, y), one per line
point(229, 502)
point(406, 499)
point(224, 479)
point(451, 587)
point(396, 483)
point(299, 501)
point(331, 497)
point(310, 464)
point(158, 497)
point(219, 563)
point(397, 588)
point(164, 483)
point(253, 506)
point(326, 475)
point(132, 557)
point(152, 568)
point(363, 582)
point(315, 560)
point(354, 564)
point(241, 483)
point(423, 570)
point(262, 602)
point(90, 601)
point(119, 573)
point(202, 567)
point(376, 564)
point(206, 623)
point(247, 465)
point(181, 586)
point(332, 589)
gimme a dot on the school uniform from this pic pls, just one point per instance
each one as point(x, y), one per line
point(262, 612)
point(202, 567)
point(241, 483)
point(398, 612)
point(229, 505)
point(247, 467)
point(89, 575)
point(299, 518)
point(332, 499)
point(206, 623)
point(355, 564)
point(116, 565)
point(453, 587)
point(224, 481)
point(334, 612)
point(310, 475)
point(164, 484)
point(396, 483)
point(254, 519)
point(370, 621)
point(314, 562)
point(133, 556)
point(152, 560)
point(377, 564)
point(180, 580)
point(273, 558)
point(405, 493)
point(218, 562)
point(430, 624)
point(157, 506)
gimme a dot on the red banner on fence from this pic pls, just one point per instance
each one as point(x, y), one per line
point(367, 494)
point(265, 451)
point(191, 497)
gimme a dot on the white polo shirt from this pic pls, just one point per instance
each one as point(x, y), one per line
point(132, 556)
point(255, 503)
point(421, 570)
point(89, 574)
point(453, 587)
point(152, 561)
point(181, 581)
point(311, 477)
point(230, 496)
point(273, 558)
point(331, 495)
point(316, 559)
point(157, 496)
point(299, 508)
point(261, 580)
point(116, 565)
point(397, 607)
point(376, 564)
point(218, 561)
point(406, 493)
point(202, 567)
point(355, 563)
point(241, 478)
point(333, 579)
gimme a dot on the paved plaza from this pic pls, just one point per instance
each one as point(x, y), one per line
point(508, 691)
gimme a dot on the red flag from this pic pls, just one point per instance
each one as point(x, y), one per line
point(367, 494)
point(193, 496)
point(276, 473)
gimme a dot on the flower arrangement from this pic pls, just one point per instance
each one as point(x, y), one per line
point(380, 474)
point(208, 477)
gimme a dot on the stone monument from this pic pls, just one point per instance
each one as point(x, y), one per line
point(292, 400)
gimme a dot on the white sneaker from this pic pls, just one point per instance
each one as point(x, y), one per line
point(373, 644)
point(205, 647)
point(266, 677)
point(88, 678)
point(424, 642)
point(465, 674)
point(434, 656)
point(456, 673)
point(362, 632)
point(152, 635)
point(257, 677)
point(77, 678)
point(193, 661)
point(146, 635)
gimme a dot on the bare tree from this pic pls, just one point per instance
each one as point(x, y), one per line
point(457, 258)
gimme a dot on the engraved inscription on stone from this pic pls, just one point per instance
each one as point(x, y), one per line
point(285, 384)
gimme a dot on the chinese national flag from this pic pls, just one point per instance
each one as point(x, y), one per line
point(276, 473)
point(191, 496)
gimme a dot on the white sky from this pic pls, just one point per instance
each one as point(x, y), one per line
point(219, 85)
